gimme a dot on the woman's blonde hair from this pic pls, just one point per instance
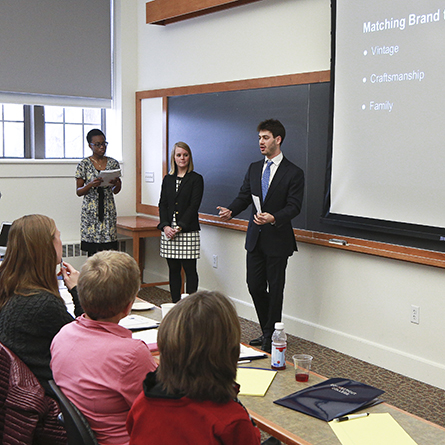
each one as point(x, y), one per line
point(173, 167)
point(30, 260)
point(108, 282)
point(199, 344)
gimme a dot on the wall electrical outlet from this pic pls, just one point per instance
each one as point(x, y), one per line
point(415, 314)
point(215, 261)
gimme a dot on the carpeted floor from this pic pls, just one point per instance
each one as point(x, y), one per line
point(400, 391)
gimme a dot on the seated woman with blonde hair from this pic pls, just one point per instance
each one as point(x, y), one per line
point(31, 308)
point(192, 397)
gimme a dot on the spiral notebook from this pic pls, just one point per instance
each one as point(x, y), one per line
point(333, 398)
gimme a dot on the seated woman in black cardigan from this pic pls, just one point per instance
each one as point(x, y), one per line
point(181, 196)
point(31, 308)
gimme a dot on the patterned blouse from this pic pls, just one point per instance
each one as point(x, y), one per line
point(92, 230)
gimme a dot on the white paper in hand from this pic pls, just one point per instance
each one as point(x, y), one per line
point(108, 176)
point(257, 203)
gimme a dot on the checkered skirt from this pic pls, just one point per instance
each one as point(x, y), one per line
point(184, 246)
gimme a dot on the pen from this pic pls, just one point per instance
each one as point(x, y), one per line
point(241, 362)
point(352, 416)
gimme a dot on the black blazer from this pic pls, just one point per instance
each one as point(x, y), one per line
point(283, 201)
point(184, 203)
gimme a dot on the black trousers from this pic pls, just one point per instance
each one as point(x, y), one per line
point(191, 277)
point(266, 277)
point(92, 248)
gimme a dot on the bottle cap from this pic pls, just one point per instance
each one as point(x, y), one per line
point(279, 325)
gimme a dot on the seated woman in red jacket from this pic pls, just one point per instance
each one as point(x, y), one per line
point(192, 397)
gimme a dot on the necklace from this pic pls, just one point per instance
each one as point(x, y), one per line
point(101, 164)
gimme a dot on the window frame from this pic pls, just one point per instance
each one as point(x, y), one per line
point(34, 134)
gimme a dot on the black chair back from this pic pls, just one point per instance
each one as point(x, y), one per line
point(77, 428)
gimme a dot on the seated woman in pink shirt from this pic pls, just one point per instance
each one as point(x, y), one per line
point(96, 362)
point(192, 397)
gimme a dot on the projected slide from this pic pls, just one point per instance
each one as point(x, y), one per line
point(389, 111)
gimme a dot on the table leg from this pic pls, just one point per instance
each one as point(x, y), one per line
point(136, 252)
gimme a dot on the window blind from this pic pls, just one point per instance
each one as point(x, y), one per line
point(57, 48)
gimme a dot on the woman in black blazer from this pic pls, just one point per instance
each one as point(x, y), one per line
point(181, 196)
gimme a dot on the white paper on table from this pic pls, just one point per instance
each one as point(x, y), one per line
point(67, 298)
point(257, 203)
point(70, 309)
point(247, 353)
point(134, 321)
point(149, 337)
point(141, 305)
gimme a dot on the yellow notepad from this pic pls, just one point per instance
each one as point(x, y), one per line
point(254, 382)
point(378, 428)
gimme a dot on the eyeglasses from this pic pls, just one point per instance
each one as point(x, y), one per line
point(99, 144)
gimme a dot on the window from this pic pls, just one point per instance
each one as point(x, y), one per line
point(47, 132)
point(66, 130)
point(12, 133)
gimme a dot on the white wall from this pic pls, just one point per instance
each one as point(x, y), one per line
point(48, 187)
point(355, 303)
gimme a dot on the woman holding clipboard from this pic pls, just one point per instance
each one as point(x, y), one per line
point(98, 217)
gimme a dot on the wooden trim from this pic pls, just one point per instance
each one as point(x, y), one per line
point(165, 93)
point(236, 85)
point(138, 152)
point(213, 220)
point(165, 160)
point(164, 12)
point(146, 209)
point(394, 251)
point(410, 254)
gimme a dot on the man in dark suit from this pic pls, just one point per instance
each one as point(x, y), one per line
point(279, 185)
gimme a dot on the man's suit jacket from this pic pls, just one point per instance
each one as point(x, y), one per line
point(184, 203)
point(283, 201)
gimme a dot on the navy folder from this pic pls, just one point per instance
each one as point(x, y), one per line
point(332, 398)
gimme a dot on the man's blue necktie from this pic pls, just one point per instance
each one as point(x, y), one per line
point(265, 179)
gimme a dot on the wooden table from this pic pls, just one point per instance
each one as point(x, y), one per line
point(138, 228)
point(155, 313)
point(295, 428)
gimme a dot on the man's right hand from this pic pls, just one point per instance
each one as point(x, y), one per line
point(224, 213)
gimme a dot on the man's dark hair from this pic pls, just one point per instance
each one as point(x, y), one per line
point(274, 126)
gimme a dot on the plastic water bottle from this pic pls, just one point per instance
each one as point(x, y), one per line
point(279, 346)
